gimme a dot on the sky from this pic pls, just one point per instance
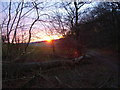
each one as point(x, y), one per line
point(42, 30)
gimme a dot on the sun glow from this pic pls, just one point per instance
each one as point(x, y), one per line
point(45, 38)
point(50, 38)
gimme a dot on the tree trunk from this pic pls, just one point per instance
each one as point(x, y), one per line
point(115, 22)
point(53, 47)
point(76, 28)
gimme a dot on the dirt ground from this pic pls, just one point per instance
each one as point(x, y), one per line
point(97, 71)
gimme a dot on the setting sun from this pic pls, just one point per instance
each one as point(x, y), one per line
point(46, 38)
point(50, 38)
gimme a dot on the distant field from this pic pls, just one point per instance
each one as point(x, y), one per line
point(43, 51)
point(41, 44)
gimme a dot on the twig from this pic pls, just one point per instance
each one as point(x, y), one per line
point(104, 83)
point(34, 77)
point(61, 83)
point(17, 79)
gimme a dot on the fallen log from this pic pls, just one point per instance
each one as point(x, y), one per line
point(79, 59)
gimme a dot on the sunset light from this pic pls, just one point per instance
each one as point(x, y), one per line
point(59, 44)
point(50, 38)
point(45, 37)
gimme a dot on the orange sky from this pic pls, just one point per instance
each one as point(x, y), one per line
point(47, 38)
point(37, 35)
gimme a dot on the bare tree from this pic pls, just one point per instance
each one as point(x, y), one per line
point(16, 14)
point(72, 19)
point(38, 6)
point(58, 23)
point(19, 17)
point(32, 25)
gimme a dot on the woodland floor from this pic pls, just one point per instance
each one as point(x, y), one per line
point(100, 70)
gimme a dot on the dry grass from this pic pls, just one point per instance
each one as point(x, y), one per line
point(40, 69)
point(83, 75)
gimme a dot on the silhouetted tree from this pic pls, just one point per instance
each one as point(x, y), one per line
point(72, 20)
